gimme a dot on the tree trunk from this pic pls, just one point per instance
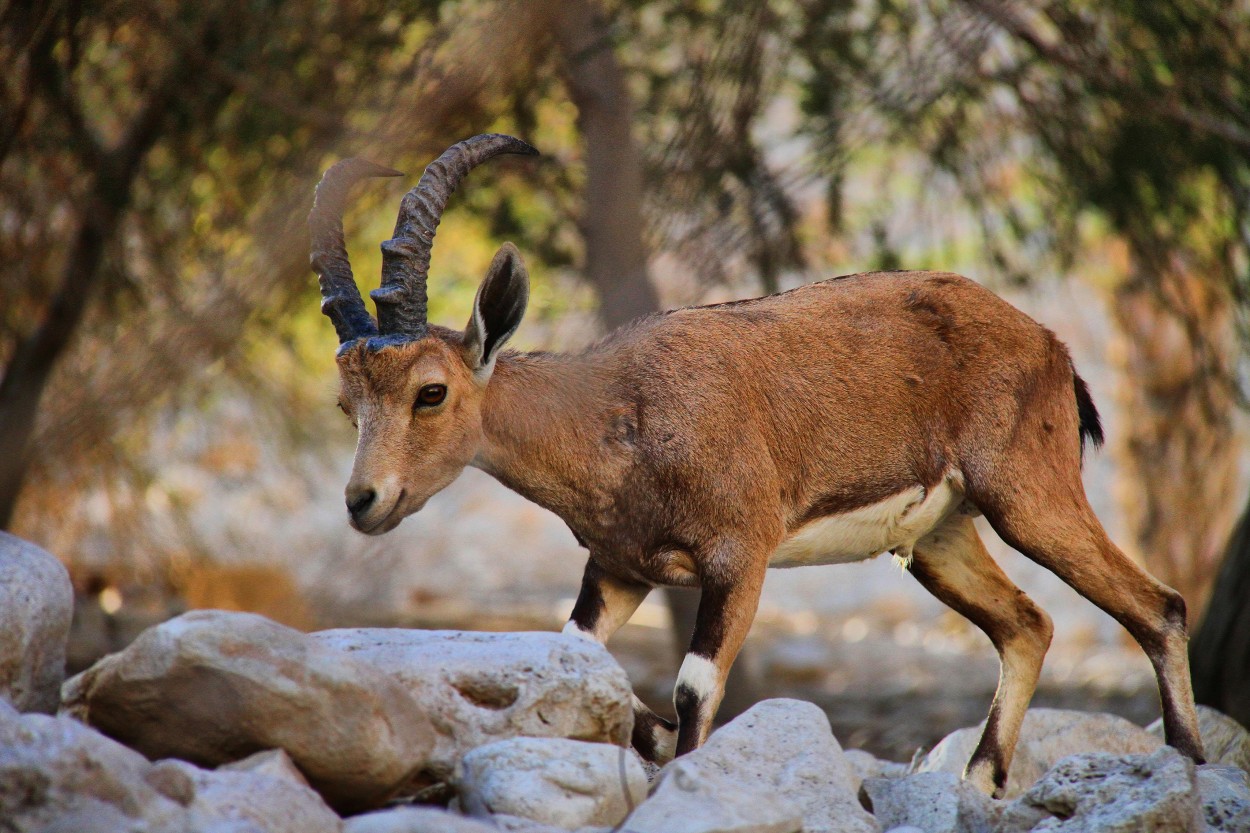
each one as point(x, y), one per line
point(1177, 446)
point(616, 251)
point(32, 362)
point(35, 357)
point(1219, 654)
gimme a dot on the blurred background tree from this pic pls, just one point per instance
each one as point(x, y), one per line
point(156, 164)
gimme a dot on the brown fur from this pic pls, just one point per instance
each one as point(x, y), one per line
point(686, 447)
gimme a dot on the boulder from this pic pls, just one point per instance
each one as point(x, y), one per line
point(553, 781)
point(520, 824)
point(411, 819)
point(213, 687)
point(1225, 797)
point(777, 768)
point(1223, 739)
point(1046, 737)
point(59, 775)
point(1103, 793)
point(36, 606)
point(865, 765)
point(482, 687)
point(272, 762)
point(416, 820)
point(935, 802)
point(250, 799)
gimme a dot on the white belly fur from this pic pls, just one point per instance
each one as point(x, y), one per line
point(895, 523)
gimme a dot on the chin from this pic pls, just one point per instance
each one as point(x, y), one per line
point(393, 519)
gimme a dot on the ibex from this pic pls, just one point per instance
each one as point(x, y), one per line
point(698, 447)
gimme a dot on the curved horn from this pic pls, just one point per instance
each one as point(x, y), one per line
point(340, 298)
point(401, 298)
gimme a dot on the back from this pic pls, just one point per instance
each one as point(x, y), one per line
point(867, 381)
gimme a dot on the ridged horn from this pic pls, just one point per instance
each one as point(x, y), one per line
point(401, 298)
point(340, 298)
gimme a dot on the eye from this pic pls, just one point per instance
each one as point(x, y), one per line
point(431, 395)
point(343, 408)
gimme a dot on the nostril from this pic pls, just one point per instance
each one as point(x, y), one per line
point(359, 501)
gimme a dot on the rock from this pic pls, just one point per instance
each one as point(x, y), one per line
point(273, 763)
point(865, 765)
point(1223, 739)
point(935, 802)
point(59, 775)
point(36, 606)
point(415, 820)
point(564, 783)
point(1046, 737)
point(213, 687)
point(251, 799)
point(520, 824)
point(776, 768)
point(1225, 797)
point(482, 687)
point(1103, 793)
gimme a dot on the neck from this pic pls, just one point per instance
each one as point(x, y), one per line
point(543, 416)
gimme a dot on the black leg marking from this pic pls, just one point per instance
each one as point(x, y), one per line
point(649, 732)
point(590, 604)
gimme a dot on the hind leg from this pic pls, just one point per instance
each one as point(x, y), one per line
point(1051, 522)
point(953, 565)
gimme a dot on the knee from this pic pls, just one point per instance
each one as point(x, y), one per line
point(1032, 626)
point(1175, 611)
point(1164, 626)
point(1041, 625)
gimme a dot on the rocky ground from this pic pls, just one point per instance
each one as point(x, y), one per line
point(223, 721)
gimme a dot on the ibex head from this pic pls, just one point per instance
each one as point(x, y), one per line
point(414, 391)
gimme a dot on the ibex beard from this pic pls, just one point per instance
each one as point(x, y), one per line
point(832, 423)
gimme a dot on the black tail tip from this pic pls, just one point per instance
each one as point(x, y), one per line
point(1091, 424)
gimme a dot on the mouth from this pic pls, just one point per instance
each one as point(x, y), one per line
point(388, 521)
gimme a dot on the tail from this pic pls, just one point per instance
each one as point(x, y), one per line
point(1091, 425)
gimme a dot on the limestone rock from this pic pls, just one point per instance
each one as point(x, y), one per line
point(1046, 737)
point(564, 783)
point(1223, 739)
point(251, 799)
point(416, 820)
point(520, 824)
point(1103, 793)
point(36, 605)
point(59, 775)
point(213, 687)
point(865, 765)
point(1225, 798)
point(935, 802)
point(273, 763)
point(777, 767)
point(481, 687)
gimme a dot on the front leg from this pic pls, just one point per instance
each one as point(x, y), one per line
point(604, 603)
point(731, 595)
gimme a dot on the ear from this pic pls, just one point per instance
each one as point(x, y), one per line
point(497, 309)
